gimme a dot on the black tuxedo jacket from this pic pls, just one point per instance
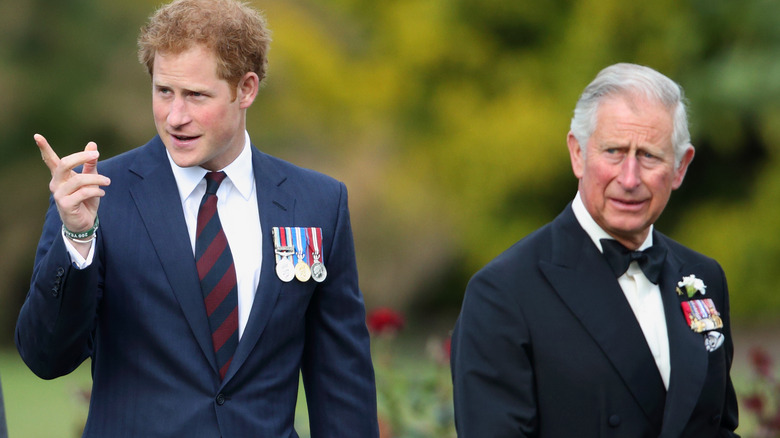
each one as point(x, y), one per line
point(546, 345)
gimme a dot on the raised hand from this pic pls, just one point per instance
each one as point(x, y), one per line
point(77, 195)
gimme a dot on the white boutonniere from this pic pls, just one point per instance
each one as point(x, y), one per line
point(690, 285)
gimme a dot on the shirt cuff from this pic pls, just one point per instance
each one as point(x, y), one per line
point(75, 257)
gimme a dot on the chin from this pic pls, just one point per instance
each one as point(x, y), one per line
point(182, 161)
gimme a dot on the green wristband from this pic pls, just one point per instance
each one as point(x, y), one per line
point(84, 236)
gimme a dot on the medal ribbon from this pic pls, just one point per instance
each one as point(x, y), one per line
point(317, 232)
point(288, 234)
point(314, 243)
point(300, 244)
point(701, 310)
point(277, 243)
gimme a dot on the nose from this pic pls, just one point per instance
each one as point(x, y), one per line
point(177, 113)
point(629, 172)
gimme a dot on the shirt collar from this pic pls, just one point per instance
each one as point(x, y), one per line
point(239, 173)
point(595, 232)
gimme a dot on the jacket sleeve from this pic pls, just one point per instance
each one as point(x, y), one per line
point(730, 414)
point(493, 378)
point(337, 371)
point(54, 330)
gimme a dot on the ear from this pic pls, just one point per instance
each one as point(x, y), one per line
point(575, 153)
point(248, 87)
point(679, 172)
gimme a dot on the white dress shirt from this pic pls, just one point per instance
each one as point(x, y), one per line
point(643, 296)
point(238, 213)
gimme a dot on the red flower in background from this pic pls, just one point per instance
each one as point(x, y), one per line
point(761, 361)
point(754, 403)
point(384, 320)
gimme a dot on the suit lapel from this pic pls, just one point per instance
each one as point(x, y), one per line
point(154, 193)
point(276, 207)
point(583, 280)
point(686, 350)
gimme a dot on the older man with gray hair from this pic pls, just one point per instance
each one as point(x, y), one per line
point(597, 324)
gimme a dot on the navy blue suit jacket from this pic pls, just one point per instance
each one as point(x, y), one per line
point(3, 429)
point(547, 345)
point(138, 312)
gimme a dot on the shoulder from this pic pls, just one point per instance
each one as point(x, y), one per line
point(690, 262)
point(514, 272)
point(550, 242)
point(683, 254)
point(295, 178)
point(523, 253)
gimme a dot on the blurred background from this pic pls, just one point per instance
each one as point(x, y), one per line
point(447, 121)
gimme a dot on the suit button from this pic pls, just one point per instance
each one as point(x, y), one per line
point(60, 271)
point(55, 291)
point(221, 399)
point(614, 420)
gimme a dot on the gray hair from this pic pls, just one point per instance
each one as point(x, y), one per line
point(627, 79)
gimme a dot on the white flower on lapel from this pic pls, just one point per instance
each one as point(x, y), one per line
point(690, 285)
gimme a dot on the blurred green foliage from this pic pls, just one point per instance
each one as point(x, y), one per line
point(446, 119)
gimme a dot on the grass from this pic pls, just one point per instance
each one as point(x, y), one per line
point(37, 408)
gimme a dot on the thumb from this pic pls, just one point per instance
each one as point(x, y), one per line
point(91, 165)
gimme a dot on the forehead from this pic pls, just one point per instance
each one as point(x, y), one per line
point(196, 63)
point(633, 119)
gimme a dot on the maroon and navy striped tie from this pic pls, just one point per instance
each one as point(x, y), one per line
point(217, 275)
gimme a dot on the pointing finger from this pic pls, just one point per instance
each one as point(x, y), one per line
point(50, 158)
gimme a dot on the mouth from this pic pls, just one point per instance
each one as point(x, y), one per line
point(183, 141)
point(183, 137)
point(628, 204)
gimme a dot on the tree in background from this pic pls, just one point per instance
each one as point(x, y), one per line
point(446, 119)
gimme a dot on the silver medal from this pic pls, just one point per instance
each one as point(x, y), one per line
point(285, 270)
point(318, 272)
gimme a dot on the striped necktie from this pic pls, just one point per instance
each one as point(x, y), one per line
point(217, 275)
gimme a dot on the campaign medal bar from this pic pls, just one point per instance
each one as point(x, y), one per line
point(702, 315)
point(318, 271)
point(302, 271)
point(284, 251)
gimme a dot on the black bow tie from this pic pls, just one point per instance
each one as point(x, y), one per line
point(651, 260)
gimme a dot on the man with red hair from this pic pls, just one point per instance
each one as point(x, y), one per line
point(184, 293)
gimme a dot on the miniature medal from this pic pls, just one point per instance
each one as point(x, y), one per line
point(285, 270)
point(284, 251)
point(302, 271)
point(318, 271)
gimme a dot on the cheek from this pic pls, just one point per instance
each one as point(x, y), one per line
point(599, 175)
point(159, 111)
point(207, 117)
point(660, 183)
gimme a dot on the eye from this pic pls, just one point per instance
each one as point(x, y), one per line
point(197, 95)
